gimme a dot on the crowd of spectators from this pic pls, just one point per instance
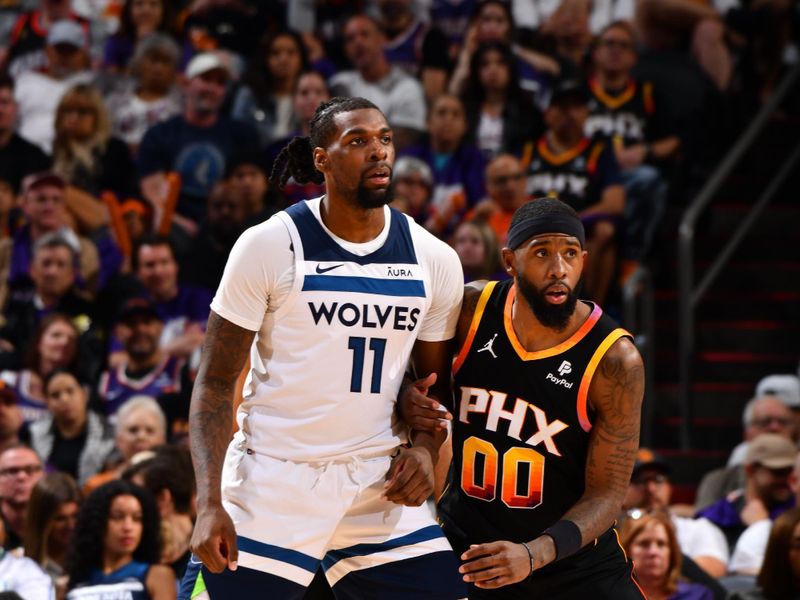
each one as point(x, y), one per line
point(136, 142)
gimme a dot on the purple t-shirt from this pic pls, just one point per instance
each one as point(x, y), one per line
point(692, 591)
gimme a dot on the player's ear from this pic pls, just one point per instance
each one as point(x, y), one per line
point(509, 260)
point(320, 159)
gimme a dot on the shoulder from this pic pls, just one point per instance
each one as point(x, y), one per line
point(472, 295)
point(619, 383)
point(159, 576)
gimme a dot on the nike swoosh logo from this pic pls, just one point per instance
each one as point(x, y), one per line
point(321, 270)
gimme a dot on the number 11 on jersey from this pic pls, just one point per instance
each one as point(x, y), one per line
point(358, 345)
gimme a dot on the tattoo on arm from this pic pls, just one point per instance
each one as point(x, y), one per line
point(616, 394)
point(224, 353)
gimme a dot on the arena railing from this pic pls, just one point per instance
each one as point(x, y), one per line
point(691, 292)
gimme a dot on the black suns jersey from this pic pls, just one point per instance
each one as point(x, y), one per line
point(521, 424)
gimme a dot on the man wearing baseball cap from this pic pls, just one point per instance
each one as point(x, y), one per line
point(650, 490)
point(194, 144)
point(766, 493)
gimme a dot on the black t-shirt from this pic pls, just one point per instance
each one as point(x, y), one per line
point(20, 158)
point(66, 453)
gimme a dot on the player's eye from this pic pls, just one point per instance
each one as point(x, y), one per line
point(356, 141)
point(387, 139)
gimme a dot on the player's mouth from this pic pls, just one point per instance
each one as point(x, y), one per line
point(557, 294)
point(379, 177)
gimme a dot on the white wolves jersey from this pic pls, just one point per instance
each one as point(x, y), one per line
point(336, 324)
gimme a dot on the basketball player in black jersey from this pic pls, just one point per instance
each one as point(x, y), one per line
point(548, 392)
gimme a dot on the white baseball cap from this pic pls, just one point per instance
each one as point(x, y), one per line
point(66, 32)
point(784, 387)
point(205, 62)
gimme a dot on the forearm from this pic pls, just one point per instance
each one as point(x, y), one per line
point(612, 202)
point(209, 433)
point(664, 148)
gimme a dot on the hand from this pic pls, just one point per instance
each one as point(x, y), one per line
point(418, 410)
point(410, 478)
point(496, 564)
point(632, 156)
point(214, 539)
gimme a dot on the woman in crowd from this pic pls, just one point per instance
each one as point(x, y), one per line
point(265, 99)
point(50, 521)
point(779, 578)
point(71, 438)
point(54, 345)
point(651, 543)
point(500, 115)
point(85, 153)
point(140, 426)
point(140, 18)
point(20, 577)
point(476, 246)
point(152, 96)
point(116, 547)
point(311, 91)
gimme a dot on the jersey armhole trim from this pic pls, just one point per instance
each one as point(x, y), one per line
point(299, 273)
point(473, 326)
point(588, 374)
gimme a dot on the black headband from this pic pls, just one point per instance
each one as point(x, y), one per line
point(552, 223)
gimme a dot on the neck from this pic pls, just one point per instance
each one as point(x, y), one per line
point(48, 300)
point(494, 98)
point(612, 80)
point(377, 70)
point(653, 588)
point(71, 429)
point(14, 515)
point(46, 366)
point(199, 118)
point(349, 221)
point(166, 295)
point(149, 94)
point(36, 231)
point(5, 136)
point(443, 146)
point(112, 562)
point(284, 87)
point(148, 362)
point(533, 335)
point(562, 144)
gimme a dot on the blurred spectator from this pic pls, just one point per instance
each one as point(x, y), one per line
point(138, 218)
point(624, 111)
point(248, 177)
point(22, 578)
point(116, 546)
point(412, 181)
point(668, 24)
point(9, 213)
point(150, 96)
point(54, 345)
point(38, 93)
point(140, 426)
point(766, 492)
point(476, 246)
point(209, 250)
point(194, 144)
point(18, 157)
point(505, 186)
point(652, 546)
point(584, 173)
point(169, 476)
point(650, 491)
point(264, 101)
point(398, 95)
point(53, 273)
point(568, 26)
point(10, 417)
point(20, 469)
point(183, 307)
point(140, 18)
point(71, 439)
point(762, 414)
point(52, 512)
point(26, 45)
point(457, 166)
point(492, 22)
point(147, 369)
point(452, 17)
point(787, 389)
point(419, 48)
point(501, 116)
point(85, 153)
point(779, 578)
point(311, 91)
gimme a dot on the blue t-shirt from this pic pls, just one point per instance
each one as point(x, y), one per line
point(126, 582)
point(197, 154)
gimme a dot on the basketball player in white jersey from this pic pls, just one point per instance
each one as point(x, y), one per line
point(330, 298)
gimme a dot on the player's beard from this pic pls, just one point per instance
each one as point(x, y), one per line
point(374, 198)
point(554, 316)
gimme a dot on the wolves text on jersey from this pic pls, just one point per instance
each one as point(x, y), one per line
point(401, 318)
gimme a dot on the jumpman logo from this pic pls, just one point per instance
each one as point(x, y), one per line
point(487, 347)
